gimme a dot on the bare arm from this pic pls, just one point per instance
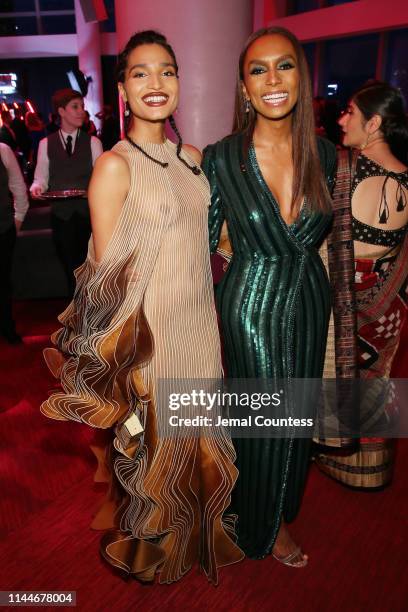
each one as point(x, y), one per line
point(193, 153)
point(96, 149)
point(107, 192)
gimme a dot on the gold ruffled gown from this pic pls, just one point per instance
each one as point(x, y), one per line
point(146, 312)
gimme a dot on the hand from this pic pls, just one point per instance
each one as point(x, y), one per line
point(36, 191)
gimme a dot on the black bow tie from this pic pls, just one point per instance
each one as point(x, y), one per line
point(68, 145)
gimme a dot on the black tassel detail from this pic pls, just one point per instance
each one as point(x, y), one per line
point(401, 199)
point(384, 216)
point(400, 206)
point(384, 212)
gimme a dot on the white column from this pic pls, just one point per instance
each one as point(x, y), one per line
point(89, 57)
point(207, 37)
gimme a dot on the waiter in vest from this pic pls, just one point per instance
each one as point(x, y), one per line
point(65, 161)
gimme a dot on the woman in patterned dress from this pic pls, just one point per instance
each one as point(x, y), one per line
point(375, 178)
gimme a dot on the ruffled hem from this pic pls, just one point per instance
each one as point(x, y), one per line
point(165, 516)
point(99, 385)
point(167, 497)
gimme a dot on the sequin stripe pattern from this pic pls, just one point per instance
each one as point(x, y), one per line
point(287, 343)
point(263, 288)
point(341, 262)
point(100, 325)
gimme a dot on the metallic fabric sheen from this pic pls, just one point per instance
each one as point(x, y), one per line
point(274, 304)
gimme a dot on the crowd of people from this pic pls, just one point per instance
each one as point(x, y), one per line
point(56, 156)
point(308, 234)
point(22, 131)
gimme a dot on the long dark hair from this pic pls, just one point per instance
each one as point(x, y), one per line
point(150, 37)
point(378, 98)
point(308, 179)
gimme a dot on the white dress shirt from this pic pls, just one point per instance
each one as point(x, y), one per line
point(41, 175)
point(16, 182)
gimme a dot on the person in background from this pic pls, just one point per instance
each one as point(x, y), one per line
point(21, 134)
point(13, 191)
point(36, 131)
point(52, 125)
point(318, 111)
point(65, 161)
point(374, 176)
point(7, 134)
point(110, 127)
point(330, 118)
point(88, 125)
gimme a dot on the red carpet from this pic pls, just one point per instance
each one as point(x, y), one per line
point(356, 541)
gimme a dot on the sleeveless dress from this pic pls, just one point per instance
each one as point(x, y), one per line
point(381, 292)
point(274, 305)
point(146, 312)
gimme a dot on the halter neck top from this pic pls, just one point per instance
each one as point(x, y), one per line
point(366, 168)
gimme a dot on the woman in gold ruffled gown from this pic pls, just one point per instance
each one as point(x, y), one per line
point(143, 311)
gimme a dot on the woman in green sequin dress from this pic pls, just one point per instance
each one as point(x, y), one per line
point(268, 183)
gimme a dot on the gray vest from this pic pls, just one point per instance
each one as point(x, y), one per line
point(6, 201)
point(69, 172)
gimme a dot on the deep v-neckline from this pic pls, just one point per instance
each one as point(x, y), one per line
point(258, 173)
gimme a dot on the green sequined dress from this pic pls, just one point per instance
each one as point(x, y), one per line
point(274, 306)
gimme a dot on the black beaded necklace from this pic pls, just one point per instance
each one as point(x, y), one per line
point(139, 148)
point(195, 169)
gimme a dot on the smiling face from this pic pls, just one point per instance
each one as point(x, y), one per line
point(72, 116)
point(271, 76)
point(151, 85)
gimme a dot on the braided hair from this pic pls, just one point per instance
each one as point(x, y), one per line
point(195, 169)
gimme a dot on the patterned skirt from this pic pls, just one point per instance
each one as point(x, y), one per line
point(381, 315)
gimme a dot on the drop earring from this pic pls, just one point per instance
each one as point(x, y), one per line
point(366, 143)
point(127, 110)
point(247, 105)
